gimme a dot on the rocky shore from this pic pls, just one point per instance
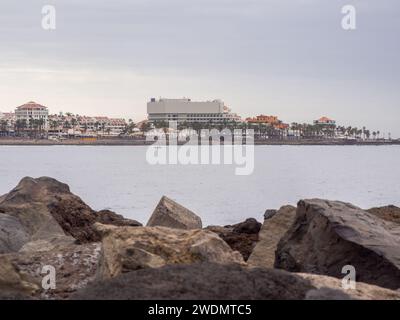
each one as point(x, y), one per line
point(294, 253)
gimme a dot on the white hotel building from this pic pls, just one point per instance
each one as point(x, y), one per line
point(32, 111)
point(186, 110)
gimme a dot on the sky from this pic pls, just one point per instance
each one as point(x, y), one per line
point(289, 58)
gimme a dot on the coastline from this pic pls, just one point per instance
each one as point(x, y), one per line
point(137, 142)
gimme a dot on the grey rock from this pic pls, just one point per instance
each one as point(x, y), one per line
point(269, 213)
point(198, 281)
point(12, 234)
point(170, 214)
point(327, 235)
point(250, 226)
point(210, 281)
point(75, 266)
point(273, 229)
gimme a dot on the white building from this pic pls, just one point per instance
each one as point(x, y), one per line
point(186, 110)
point(32, 111)
point(325, 121)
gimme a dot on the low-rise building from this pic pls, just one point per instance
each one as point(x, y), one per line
point(186, 110)
point(7, 123)
point(84, 125)
point(325, 121)
point(270, 120)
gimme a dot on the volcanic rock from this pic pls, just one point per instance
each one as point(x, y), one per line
point(210, 281)
point(45, 209)
point(241, 237)
point(269, 213)
point(12, 234)
point(126, 249)
point(75, 266)
point(389, 213)
point(273, 229)
point(171, 214)
point(328, 235)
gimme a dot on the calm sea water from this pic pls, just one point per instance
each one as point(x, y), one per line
point(120, 179)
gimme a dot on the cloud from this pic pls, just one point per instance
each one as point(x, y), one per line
point(285, 57)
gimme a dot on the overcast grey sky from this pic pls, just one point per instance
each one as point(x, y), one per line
point(289, 58)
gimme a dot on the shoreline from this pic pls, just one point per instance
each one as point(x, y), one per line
point(129, 142)
point(122, 142)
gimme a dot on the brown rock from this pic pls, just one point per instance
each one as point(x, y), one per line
point(46, 209)
point(170, 214)
point(327, 235)
point(389, 213)
point(273, 229)
point(126, 249)
point(12, 282)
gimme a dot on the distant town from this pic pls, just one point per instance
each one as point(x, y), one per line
point(33, 121)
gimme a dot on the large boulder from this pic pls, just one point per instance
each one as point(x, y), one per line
point(170, 214)
point(273, 229)
point(209, 281)
point(45, 209)
point(126, 249)
point(75, 266)
point(327, 235)
point(241, 237)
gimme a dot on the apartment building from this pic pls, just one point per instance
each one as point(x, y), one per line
point(31, 111)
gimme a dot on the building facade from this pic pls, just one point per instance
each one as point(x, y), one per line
point(86, 126)
point(31, 112)
point(186, 110)
point(325, 121)
point(269, 120)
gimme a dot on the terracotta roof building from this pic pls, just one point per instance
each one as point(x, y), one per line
point(325, 121)
point(32, 111)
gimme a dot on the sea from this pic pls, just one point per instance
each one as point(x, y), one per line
point(121, 178)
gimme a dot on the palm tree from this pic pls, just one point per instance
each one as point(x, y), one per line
point(3, 125)
point(20, 125)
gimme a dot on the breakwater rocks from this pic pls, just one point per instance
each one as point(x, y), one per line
point(297, 253)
